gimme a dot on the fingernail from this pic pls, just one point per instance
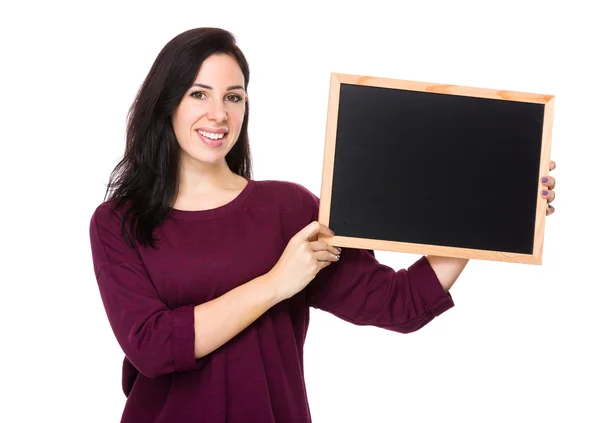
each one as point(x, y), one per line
point(544, 179)
point(339, 249)
point(544, 192)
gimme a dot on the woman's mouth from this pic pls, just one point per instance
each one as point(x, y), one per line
point(212, 139)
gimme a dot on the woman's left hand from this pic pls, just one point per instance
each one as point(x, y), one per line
point(548, 193)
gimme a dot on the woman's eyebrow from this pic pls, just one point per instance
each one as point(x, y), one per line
point(208, 87)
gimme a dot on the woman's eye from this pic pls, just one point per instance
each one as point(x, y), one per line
point(198, 94)
point(234, 98)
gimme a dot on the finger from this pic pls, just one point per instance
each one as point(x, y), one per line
point(326, 256)
point(320, 245)
point(323, 230)
point(550, 209)
point(313, 229)
point(548, 195)
point(548, 181)
point(552, 165)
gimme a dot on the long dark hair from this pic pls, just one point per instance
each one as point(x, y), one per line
point(146, 178)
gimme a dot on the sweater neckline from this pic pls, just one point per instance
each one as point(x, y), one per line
point(234, 204)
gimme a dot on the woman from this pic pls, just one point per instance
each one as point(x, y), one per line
point(207, 276)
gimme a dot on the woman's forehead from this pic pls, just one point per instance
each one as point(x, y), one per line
point(220, 71)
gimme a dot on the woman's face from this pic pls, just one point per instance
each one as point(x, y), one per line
point(208, 120)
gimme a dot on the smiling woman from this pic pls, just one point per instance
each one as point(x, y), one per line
point(198, 81)
point(212, 111)
point(206, 275)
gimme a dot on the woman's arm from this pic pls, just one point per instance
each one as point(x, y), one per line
point(234, 311)
point(155, 338)
point(219, 320)
point(447, 269)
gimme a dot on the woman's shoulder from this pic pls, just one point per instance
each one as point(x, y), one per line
point(109, 212)
point(106, 225)
point(106, 235)
point(288, 193)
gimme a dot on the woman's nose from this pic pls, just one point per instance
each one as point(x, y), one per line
point(217, 111)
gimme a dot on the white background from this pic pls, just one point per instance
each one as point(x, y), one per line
point(521, 345)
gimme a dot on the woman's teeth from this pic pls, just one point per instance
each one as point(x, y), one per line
point(211, 135)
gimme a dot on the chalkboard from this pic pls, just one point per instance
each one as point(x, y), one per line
point(436, 169)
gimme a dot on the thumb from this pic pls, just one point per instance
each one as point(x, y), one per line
point(312, 229)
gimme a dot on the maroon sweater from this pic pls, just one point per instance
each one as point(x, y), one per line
point(258, 376)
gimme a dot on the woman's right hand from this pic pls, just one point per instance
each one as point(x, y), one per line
point(301, 260)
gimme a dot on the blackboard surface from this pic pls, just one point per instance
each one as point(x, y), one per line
point(425, 169)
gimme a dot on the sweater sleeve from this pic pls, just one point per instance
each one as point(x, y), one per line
point(363, 291)
point(154, 338)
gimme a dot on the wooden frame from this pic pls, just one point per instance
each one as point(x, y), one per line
point(329, 155)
